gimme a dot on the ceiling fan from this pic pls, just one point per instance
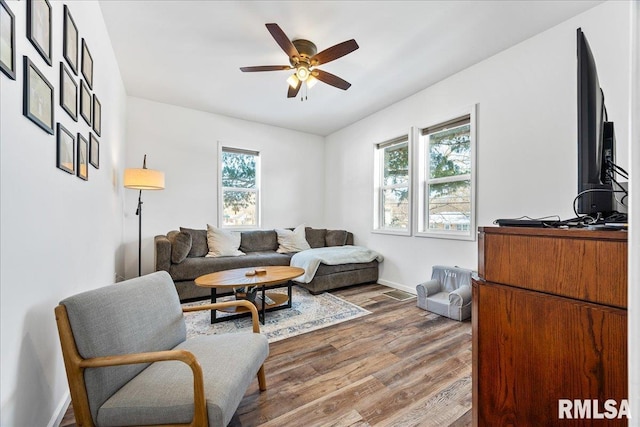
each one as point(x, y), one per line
point(304, 59)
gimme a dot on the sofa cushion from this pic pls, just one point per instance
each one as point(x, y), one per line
point(222, 242)
point(163, 393)
point(258, 240)
point(191, 268)
point(199, 245)
point(336, 238)
point(324, 269)
point(316, 236)
point(290, 241)
point(180, 245)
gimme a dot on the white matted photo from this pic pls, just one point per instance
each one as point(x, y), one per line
point(37, 97)
point(66, 150)
point(7, 41)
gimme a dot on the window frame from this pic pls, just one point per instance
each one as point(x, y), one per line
point(422, 179)
point(379, 187)
point(233, 149)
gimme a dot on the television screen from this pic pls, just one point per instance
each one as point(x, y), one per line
point(595, 194)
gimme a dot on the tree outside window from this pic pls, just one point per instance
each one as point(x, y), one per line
point(239, 188)
point(393, 182)
point(446, 186)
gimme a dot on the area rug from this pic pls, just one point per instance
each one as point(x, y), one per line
point(307, 313)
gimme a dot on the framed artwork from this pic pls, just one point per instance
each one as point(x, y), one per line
point(94, 151)
point(83, 158)
point(39, 27)
point(37, 102)
point(85, 102)
point(68, 92)
point(97, 116)
point(66, 157)
point(87, 64)
point(7, 41)
point(70, 42)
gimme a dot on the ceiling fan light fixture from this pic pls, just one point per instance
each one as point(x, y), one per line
point(302, 72)
point(293, 81)
point(311, 81)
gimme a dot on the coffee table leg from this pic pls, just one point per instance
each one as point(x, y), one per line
point(263, 311)
point(214, 298)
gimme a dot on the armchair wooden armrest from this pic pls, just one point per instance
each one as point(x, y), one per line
point(237, 303)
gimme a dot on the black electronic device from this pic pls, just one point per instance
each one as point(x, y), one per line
point(596, 140)
point(507, 222)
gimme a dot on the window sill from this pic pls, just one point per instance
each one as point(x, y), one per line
point(448, 235)
point(405, 233)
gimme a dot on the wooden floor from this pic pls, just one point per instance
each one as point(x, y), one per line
point(399, 366)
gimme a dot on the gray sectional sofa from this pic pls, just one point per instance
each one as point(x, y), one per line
point(182, 254)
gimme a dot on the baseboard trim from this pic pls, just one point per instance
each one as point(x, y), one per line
point(58, 415)
point(409, 289)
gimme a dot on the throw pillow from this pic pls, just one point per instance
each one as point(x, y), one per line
point(316, 236)
point(258, 240)
point(222, 242)
point(198, 242)
point(180, 245)
point(292, 241)
point(336, 238)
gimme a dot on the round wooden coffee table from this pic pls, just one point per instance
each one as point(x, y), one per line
point(271, 276)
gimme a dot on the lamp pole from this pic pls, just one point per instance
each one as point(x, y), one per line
point(139, 213)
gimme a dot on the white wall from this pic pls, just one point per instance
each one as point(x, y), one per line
point(60, 235)
point(526, 139)
point(184, 144)
point(634, 213)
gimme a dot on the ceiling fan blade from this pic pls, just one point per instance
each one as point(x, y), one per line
point(265, 68)
point(293, 91)
point(331, 79)
point(282, 40)
point(334, 52)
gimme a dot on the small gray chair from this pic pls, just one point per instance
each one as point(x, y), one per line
point(128, 361)
point(448, 293)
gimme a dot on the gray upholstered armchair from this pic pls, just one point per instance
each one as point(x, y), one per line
point(448, 293)
point(128, 361)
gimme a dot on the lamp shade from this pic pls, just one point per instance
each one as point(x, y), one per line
point(143, 179)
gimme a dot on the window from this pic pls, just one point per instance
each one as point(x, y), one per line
point(393, 184)
point(239, 188)
point(446, 192)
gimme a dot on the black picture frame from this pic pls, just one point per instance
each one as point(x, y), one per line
point(97, 116)
point(37, 102)
point(70, 41)
point(85, 102)
point(87, 64)
point(94, 151)
point(66, 150)
point(7, 40)
point(39, 27)
point(82, 157)
point(68, 92)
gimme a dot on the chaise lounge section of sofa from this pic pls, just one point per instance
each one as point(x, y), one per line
point(182, 253)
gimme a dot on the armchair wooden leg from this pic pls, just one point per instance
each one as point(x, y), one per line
point(262, 380)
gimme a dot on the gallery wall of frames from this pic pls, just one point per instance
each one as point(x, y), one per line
point(78, 148)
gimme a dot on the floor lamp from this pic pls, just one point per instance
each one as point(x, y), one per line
point(142, 179)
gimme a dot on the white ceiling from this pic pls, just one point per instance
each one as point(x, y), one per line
point(188, 53)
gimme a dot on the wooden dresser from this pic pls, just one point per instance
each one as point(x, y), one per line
point(549, 322)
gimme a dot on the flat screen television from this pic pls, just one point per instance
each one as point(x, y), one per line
point(596, 140)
